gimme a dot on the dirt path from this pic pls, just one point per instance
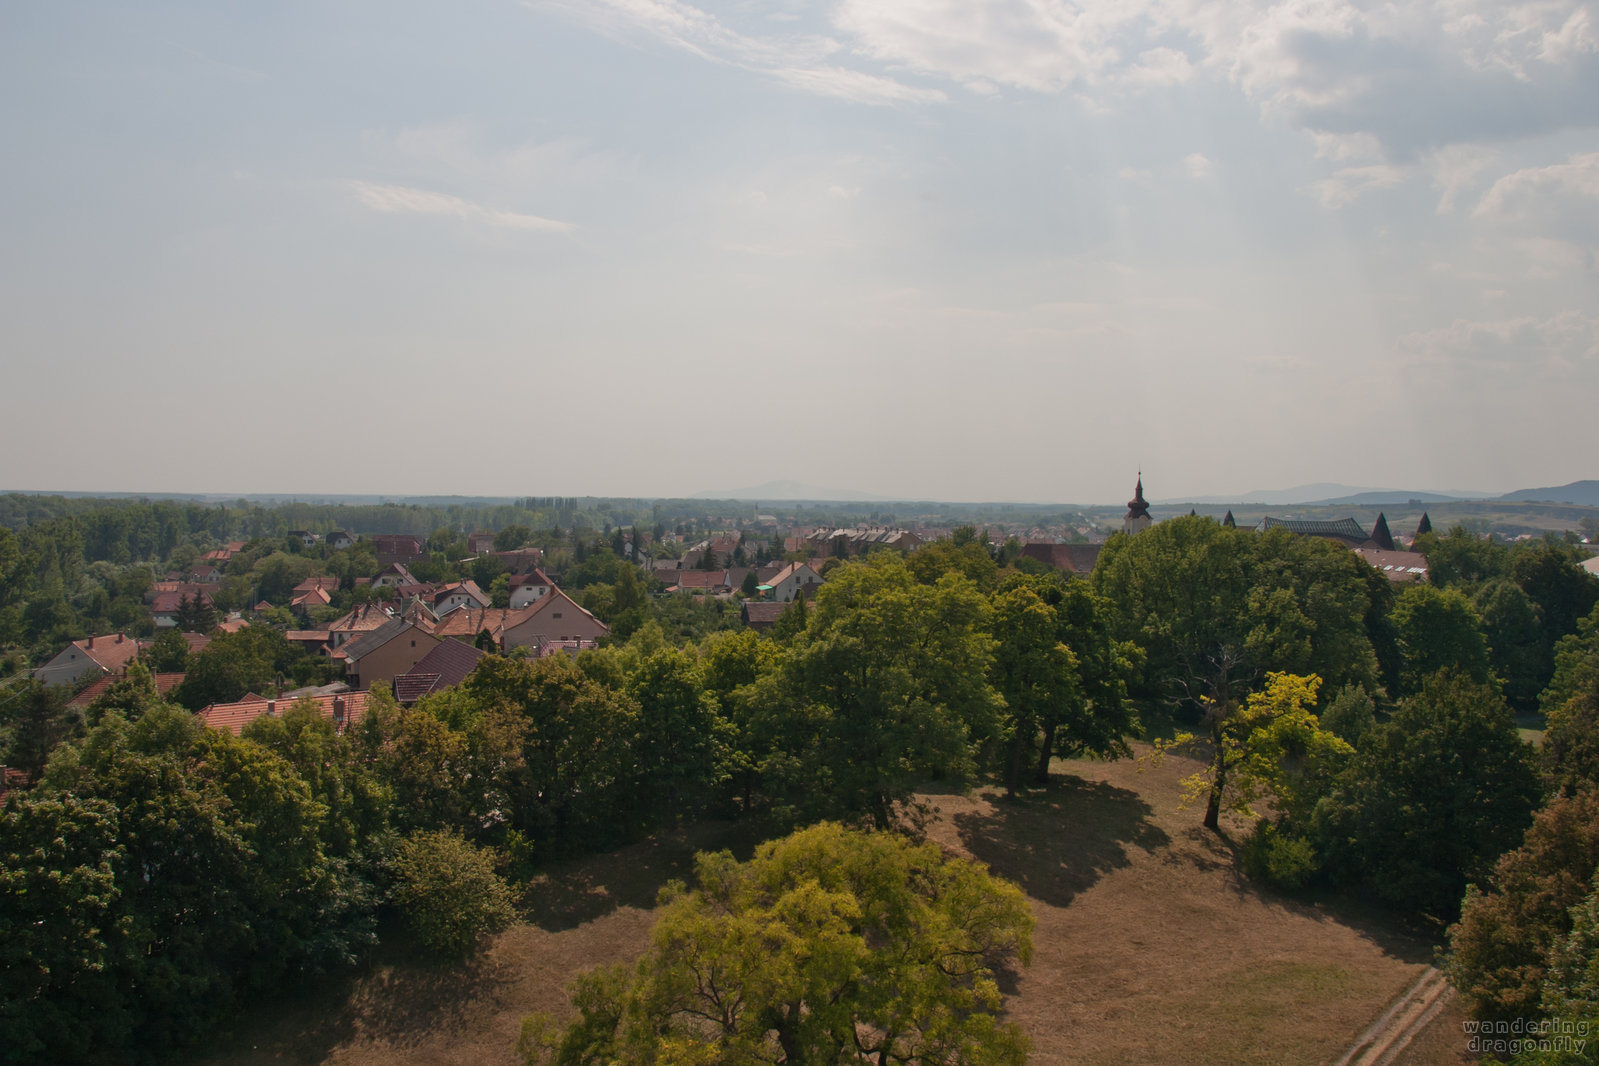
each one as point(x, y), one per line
point(1410, 1013)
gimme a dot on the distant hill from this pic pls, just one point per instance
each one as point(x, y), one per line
point(1387, 499)
point(790, 490)
point(1582, 493)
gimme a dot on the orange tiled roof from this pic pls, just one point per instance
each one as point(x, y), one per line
point(235, 716)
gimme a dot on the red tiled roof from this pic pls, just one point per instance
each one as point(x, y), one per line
point(235, 716)
point(111, 652)
point(164, 683)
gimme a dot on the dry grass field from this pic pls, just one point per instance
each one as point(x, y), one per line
point(1150, 948)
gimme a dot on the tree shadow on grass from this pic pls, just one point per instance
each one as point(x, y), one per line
point(571, 892)
point(1060, 840)
point(416, 998)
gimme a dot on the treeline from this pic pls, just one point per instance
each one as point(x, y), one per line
point(160, 873)
point(65, 577)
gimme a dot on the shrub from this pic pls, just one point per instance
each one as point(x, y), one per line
point(448, 891)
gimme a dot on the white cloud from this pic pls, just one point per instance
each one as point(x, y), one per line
point(1454, 169)
point(1524, 342)
point(802, 61)
point(1197, 165)
point(400, 199)
point(1348, 183)
point(1525, 190)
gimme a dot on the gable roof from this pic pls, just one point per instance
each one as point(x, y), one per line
point(164, 683)
point(111, 652)
point(1073, 558)
point(372, 640)
point(445, 666)
point(760, 614)
point(366, 617)
point(343, 709)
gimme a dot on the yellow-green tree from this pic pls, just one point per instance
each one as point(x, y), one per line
point(829, 946)
point(1271, 747)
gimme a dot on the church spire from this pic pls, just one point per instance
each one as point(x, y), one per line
point(1137, 516)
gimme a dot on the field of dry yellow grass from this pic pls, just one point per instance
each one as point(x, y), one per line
point(1151, 947)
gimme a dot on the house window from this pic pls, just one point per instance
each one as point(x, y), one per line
point(557, 615)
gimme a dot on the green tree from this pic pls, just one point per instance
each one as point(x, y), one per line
point(1271, 747)
point(682, 739)
point(1570, 751)
point(33, 721)
point(233, 664)
point(222, 884)
point(169, 652)
point(1180, 590)
point(1571, 987)
point(60, 931)
point(829, 946)
point(1438, 793)
point(1499, 951)
point(572, 789)
point(194, 616)
point(1461, 558)
point(1517, 652)
point(511, 538)
point(887, 685)
point(1439, 630)
point(1352, 714)
point(448, 891)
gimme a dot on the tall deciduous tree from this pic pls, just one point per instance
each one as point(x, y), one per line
point(1432, 799)
point(830, 946)
point(887, 685)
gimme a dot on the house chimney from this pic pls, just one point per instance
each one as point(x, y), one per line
point(91, 641)
point(271, 705)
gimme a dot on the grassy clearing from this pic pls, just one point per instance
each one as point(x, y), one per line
point(1151, 948)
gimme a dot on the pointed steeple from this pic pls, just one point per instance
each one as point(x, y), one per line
point(1380, 535)
point(1425, 525)
point(1137, 516)
point(1228, 521)
point(1192, 513)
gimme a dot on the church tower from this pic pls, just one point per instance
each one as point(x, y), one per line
point(1137, 517)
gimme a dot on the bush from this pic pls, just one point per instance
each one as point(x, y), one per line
point(1279, 858)
point(448, 891)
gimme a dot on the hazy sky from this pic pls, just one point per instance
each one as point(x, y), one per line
point(943, 249)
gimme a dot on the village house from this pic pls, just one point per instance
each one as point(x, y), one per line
point(528, 587)
point(342, 709)
point(761, 616)
point(362, 619)
point(443, 667)
point(339, 539)
point(795, 579)
point(397, 548)
point(554, 617)
point(393, 576)
point(466, 593)
point(85, 659)
point(385, 653)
